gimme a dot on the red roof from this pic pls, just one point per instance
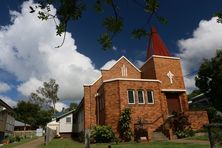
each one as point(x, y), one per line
point(156, 46)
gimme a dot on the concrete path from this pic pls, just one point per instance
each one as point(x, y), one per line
point(32, 144)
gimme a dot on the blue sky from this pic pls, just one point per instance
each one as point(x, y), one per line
point(187, 34)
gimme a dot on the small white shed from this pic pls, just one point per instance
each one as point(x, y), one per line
point(63, 124)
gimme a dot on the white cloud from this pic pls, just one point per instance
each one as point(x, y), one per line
point(8, 101)
point(139, 63)
point(59, 106)
point(29, 86)
point(108, 65)
point(205, 41)
point(114, 48)
point(4, 87)
point(28, 51)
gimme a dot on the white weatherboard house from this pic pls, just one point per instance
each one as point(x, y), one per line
point(63, 124)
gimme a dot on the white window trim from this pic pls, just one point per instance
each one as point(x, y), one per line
point(133, 96)
point(152, 96)
point(138, 96)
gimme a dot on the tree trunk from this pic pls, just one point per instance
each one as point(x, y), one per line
point(54, 107)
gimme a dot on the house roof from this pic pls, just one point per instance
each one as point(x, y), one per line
point(58, 114)
point(156, 46)
point(2, 103)
point(65, 114)
point(19, 123)
point(200, 96)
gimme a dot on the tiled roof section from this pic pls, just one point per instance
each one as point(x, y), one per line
point(156, 46)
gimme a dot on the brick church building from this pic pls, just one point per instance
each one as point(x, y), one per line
point(152, 92)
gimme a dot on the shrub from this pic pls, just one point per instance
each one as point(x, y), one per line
point(214, 116)
point(184, 133)
point(17, 138)
point(102, 134)
point(217, 135)
point(11, 139)
point(81, 137)
point(124, 125)
point(181, 125)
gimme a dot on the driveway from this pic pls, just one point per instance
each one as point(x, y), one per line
point(32, 144)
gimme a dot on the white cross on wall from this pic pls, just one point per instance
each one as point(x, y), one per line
point(170, 76)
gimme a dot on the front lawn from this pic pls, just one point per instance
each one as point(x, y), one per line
point(68, 143)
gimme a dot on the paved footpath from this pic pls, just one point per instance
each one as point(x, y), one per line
point(32, 144)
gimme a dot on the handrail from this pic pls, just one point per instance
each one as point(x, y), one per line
point(152, 121)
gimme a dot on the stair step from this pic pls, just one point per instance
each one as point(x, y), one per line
point(158, 136)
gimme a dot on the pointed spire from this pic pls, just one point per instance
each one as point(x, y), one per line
point(156, 46)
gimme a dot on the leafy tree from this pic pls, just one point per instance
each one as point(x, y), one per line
point(219, 16)
point(209, 79)
point(32, 114)
point(44, 117)
point(36, 99)
point(27, 112)
point(72, 106)
point(47, 93)
point(72, 10)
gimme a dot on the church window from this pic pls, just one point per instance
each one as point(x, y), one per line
point(140, 94)
point(131, 97)
point(150, 99)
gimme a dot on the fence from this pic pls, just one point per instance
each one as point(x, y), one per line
point(49, 135)
point(214, 134)
point(29, 133)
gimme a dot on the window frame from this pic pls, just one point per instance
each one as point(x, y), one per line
point(133, 96)
point(142, 96)
point(70, 120)
point(148, 97)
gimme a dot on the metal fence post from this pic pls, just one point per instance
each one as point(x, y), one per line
point(87, 138)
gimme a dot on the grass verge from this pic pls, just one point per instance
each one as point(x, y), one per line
point(68, 143)
point(205, 138)
point(14, 144)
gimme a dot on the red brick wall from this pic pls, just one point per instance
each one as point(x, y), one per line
point(157, 67)
point(116, 98)
point(148, 70)
point(86, 107)
point(116, 101)
point(163, 66)
point(90, 104)
point(184, 102)
point(197, 119)
point(112, 104)
point(115, 71)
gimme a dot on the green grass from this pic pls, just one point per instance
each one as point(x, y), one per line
point(11, 145)
point(205, 138)
point(68, 143)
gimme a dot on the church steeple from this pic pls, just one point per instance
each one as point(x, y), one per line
point(156, 46)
